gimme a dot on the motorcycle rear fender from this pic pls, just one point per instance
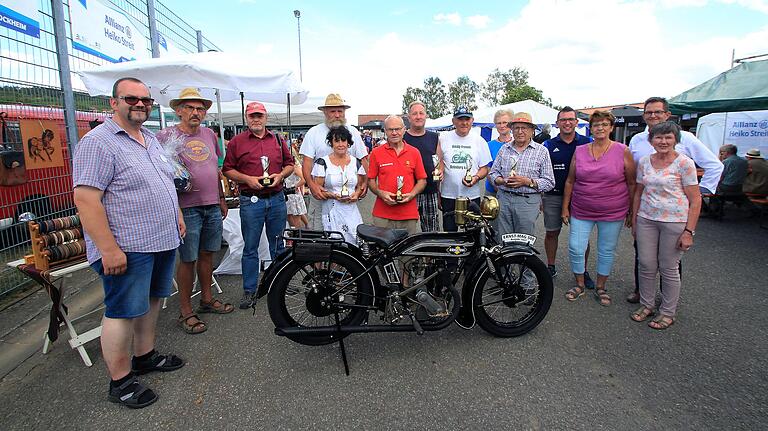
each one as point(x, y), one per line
point(467, 319)
point(274, 268)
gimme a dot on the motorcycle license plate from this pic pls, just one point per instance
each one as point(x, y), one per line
point(509, 238)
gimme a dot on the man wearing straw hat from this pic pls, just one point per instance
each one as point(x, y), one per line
point(315, 147)
point(757, 176)
point(203, 207)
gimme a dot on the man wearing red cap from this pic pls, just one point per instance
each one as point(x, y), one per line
point(259, 162)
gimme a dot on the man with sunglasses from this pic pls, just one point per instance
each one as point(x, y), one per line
point(656, 111)
point(128, 206)
point(259, 161)
point(203, 207)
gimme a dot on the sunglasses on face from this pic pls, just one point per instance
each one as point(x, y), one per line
point(133, 100)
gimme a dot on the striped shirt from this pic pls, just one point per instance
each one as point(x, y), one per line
point(139, 194)
point(533, 163)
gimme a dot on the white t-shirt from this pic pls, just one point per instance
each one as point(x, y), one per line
point(457, 151)
point(315, 145)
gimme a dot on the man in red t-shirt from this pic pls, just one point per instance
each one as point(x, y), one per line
point(396, 175)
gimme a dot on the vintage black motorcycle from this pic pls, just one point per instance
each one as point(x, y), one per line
point(322, 288)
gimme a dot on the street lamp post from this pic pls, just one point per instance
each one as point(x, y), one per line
point(297, 14)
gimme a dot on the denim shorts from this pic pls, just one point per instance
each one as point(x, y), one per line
point(204, 231)
point(126, 296)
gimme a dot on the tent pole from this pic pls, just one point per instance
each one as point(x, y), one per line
point(221, 120)
point(289, 120)
point(725, 128)
point(242, 107)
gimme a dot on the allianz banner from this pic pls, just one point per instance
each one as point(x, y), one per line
point(106, 32)
point(20, 15)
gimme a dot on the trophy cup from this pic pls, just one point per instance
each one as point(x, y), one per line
point(344, 189)
point(436, 172)
point(265, 180)
point(468, 175)
point(399, 195)
point(512, 171)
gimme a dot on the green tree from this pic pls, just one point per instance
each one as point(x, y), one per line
point(412, 95)
point(435, 97)
point(497, 83)
point(462, 92)
point(525, 92)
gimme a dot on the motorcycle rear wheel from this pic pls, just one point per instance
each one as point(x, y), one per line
point(299, 292)
point(496, 308)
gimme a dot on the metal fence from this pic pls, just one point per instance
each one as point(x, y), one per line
point(30, 90)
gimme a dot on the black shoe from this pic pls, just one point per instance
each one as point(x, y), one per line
point(156, 362)
point(552, 270)
point(246, 301)
point(132, 394)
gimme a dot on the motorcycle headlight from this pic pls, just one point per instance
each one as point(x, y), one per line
point(489, 207)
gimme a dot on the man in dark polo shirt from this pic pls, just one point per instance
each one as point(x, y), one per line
point(261, 191)
point(389, 163)
point(561, 149)
point(427, 142)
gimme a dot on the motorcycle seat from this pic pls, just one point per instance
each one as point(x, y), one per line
point(381, 236)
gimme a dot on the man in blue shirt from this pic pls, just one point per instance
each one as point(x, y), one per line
point(561, 149)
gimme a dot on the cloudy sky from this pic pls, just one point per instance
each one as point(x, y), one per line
point(578, 52)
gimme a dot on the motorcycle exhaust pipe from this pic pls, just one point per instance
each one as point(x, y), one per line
point(353, 329)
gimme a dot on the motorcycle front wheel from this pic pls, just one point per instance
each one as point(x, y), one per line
point(518, 301)
point(308, 294)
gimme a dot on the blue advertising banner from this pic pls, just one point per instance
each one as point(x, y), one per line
point(105, 32)
point(20, 15)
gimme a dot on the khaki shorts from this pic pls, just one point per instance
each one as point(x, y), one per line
point(412, 226)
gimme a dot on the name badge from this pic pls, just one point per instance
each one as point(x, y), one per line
point(254, 199)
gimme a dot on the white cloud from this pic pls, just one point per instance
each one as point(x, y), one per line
point(448, 18)
point(758, 5)
point(478, 21)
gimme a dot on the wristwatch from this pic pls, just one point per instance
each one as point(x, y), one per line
point(692, 232)
point(533, 184)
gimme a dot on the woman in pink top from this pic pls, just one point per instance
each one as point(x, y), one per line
point(666, 208)
point(598, 192)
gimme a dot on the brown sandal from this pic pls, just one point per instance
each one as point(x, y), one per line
point(641, 314)
point(602, 296)
point(216, 307)
point(574, 293)
point(661, 322)
point(192, 328)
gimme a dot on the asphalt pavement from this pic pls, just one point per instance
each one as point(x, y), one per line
point(584, 367)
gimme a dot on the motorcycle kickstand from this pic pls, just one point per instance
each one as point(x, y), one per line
point(341, 343)
point(416, 324)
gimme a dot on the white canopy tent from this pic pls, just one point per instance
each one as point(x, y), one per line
point(220, 76)
point(746, 130)
point(305, 114)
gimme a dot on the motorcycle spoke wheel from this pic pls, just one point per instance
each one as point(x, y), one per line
point(518, 301)
point(310, 294)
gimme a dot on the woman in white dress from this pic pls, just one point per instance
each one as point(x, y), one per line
point(342, 177)
point(294, 200)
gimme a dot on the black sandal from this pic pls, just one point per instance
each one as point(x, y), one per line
point(156, 362)
point(131, 399)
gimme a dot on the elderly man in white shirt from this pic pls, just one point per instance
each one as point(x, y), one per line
point(655, 111)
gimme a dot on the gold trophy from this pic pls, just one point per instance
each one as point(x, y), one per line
point(265, 180)
point(399, 195)
point(436, 172)
point(344, 189)
point(468, 175)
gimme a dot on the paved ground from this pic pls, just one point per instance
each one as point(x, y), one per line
point(585, 367)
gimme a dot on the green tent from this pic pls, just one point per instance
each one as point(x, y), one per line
point(743, 88)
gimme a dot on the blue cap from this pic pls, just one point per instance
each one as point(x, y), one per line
point(462, 112)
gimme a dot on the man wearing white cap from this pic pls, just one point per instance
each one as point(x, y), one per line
point(259, 161)
point(203, 207)
point(315, 147)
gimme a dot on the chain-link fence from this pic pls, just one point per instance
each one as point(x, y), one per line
point(31, 103)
